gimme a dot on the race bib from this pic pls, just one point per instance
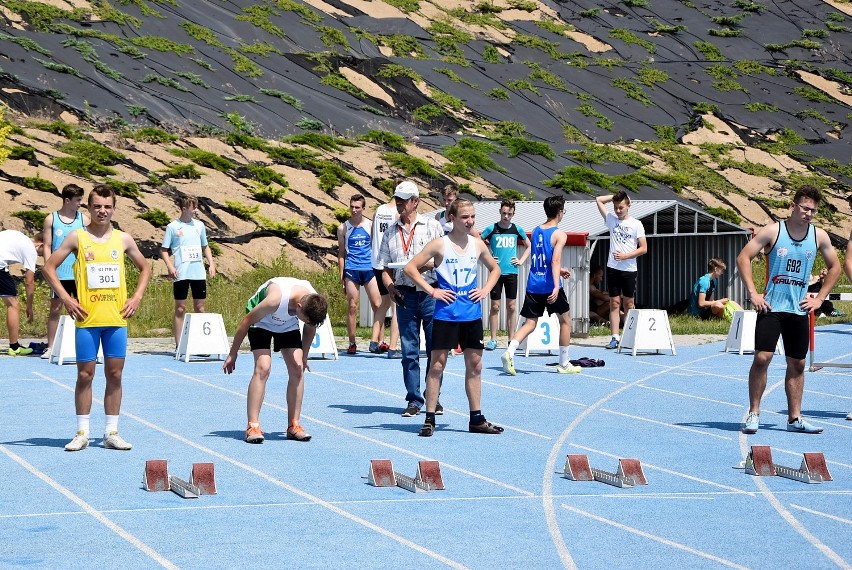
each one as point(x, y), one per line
point(102, 275)
point(190, 253)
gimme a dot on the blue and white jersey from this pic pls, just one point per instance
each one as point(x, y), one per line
point(186, 241)
point(359, 253)
point(790, 264)
point(458, 273)
point(60, 231)
point(540, 279)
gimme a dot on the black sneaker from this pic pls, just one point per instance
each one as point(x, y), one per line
point(484, 427)
point(410, 411)
point(439, 409)
point(427, 430)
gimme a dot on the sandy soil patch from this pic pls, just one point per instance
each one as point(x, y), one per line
point(831, 87)
point(367, 85)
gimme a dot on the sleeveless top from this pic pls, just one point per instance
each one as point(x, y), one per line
point(541, 275)
point(280, 320)
point(790, 264)
point(359, 254)
point(458, 273)
point(101, 286)
point(503, 243)
point(60, 231)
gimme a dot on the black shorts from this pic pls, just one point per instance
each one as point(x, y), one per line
point(536, 303)
point(794, 329)
point(447, 335)
point(70, 287)
point(7, 284)
point(261, 339)
point(382, 289)
point(510, 282)
point(621, 283)
point(181, 289)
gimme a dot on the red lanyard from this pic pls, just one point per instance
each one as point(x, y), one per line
point(406, 246)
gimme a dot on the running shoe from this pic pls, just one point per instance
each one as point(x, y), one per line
point(254, 434)
point(374, 347)
point(613, 343)
point(297, 432)
point(20, 351)
point(509, 364)
point(491, 344)
point(80, 441)
point(353, 348)
point(801, 426)
point(394, 353)
point(46, 354)
point(427, 430)
point(849, 416)
point(484, 427)
point(384, 347)
point(568, 369)
point(410, 410)
point(752, 423)
point(439, 409)
point(114, 441)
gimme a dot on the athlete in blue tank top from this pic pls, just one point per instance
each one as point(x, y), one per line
point(540, 278)
point(791, 246)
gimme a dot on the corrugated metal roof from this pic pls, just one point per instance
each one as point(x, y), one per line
point(660, 218)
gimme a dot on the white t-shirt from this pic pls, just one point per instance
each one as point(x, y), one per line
point(15, 247)
point(386, 215)
point(623, 237)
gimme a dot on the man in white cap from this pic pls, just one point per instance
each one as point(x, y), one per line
point(402, 241)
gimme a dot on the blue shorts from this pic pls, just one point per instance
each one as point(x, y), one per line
point(359, 276)
point(113, 339)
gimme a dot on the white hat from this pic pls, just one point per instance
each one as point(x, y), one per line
point(406, 190)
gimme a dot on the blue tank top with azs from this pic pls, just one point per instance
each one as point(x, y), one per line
point(359, 254)
point(540, 279)
point(458, 273)
point(790, 264)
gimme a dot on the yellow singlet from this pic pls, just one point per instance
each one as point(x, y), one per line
point(99, 273)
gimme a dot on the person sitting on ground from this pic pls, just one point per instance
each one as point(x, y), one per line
point(701, 301)
point(598, 300)
point(827, 308)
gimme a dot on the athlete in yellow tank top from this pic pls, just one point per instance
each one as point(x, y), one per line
point(101, 287)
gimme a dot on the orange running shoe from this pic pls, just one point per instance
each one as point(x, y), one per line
point(254, 433)
point(298, 433)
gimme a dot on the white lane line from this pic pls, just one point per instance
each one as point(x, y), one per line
point(90, 510)
point(362, 436)
point(822, 514)
point(655, 538)
point(694, 397)
point(286, 486)
point(666, 424)
point(798, 455)
point(830, 395)
point(446, 410)
point(785, 514)
point(550, 464)
point(669, 471)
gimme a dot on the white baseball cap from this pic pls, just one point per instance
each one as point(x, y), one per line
point(406, 190)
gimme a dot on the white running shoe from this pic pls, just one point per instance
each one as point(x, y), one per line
point(114, 441)
point(80, 441)
point(46, 354)
point(802, 426)
point(752, 423)
point(568, 369)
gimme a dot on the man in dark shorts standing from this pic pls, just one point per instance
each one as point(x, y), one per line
point(272, 322)
point(544, 287)
point(626, 243)
point(458, 312)
point(790, 246)
point(15, 247)
point(502, 239)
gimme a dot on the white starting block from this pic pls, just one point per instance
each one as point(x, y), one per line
point(323, 343)
point(544, 337)
point(759, 463)
point(427, 478)
point(202, 334)
point(64, 349)
point(629, 473)
point(201, 480)
point(647, 329)
point(741, 333)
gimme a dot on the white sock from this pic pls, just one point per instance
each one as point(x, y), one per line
point(513, 346)
point(111, 424)
point(563, 356)
point(616, 337)
point(83, 423)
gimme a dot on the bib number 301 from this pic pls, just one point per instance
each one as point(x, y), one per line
point(102, 275)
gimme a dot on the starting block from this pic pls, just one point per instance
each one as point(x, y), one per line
point(427, 478)
point(629, 473)
point(813, 469)
point(201, 480)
